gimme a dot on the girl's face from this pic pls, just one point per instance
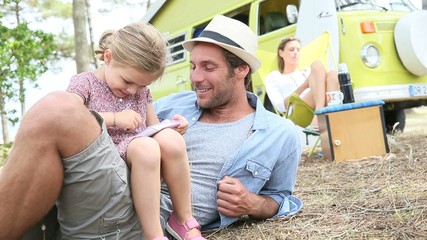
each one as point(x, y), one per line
point(124, 80)
point(290, 53)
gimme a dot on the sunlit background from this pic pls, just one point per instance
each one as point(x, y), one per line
point(50, 81)
point(115, 19)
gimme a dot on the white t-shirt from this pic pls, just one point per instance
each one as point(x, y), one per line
point(279, 86)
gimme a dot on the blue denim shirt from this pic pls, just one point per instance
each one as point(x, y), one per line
point(266, 163)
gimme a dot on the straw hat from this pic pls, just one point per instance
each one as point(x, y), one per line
point(231, 35)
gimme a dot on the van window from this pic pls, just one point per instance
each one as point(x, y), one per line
point(244, 18)
point(274, 21)
point(177, 51)
point(272, 15)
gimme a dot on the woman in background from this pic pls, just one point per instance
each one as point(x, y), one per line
point(311, 84)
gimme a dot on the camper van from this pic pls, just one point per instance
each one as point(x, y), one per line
point(381, 41)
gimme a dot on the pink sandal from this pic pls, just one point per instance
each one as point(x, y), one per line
point(180, 231)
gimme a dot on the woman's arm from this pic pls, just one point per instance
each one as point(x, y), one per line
point(276, 90)
point(298, 77)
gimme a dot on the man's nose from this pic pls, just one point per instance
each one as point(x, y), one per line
point(196, 75)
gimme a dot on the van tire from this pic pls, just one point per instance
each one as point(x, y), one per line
point(392, 117)
point(410, 36)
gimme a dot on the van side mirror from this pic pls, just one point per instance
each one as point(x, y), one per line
point(292, 13)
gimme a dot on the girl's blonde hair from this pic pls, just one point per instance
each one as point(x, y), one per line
point(282, 45)
point(138, 45)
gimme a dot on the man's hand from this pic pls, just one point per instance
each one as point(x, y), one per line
point(233, 198)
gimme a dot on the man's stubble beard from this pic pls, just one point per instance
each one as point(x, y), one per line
point(222, 94)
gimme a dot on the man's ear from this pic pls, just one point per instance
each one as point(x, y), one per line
point(242, 71)
point(107, 56)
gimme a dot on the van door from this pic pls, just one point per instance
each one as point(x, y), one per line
point(270, 21)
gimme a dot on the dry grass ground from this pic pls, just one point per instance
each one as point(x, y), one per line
point(373, 198)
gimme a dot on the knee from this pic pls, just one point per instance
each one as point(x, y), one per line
point(171, 142)
point(54, 109)
point(318, 73)
point(318, 67)
point(56, 105)
point(144, 151)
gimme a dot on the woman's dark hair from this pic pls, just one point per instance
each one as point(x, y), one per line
point(282, 45)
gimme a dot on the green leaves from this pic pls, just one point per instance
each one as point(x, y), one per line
point(31, 51)
point(24, 56)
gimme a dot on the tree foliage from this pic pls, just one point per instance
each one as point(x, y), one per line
point(52, 8)
point(31, 53)
point(25, 54)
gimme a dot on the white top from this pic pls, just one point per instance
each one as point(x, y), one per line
point(279, 86)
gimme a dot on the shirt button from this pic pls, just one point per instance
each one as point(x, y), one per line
point(256, 173)
point(193, 119)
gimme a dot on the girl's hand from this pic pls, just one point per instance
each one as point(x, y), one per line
point(182, 128)
point(127, 120)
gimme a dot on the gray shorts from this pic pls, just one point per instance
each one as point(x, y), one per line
point(95, 200)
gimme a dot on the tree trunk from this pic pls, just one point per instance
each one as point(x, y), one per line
point(4, 120)
point(80, 36)
point(92, 44)
point(22, 97)
point(425, 4)
point(20, 81)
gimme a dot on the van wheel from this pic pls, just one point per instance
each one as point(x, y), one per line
point(409, 36)
point(392, 117)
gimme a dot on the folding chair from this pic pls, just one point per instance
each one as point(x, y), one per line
point(300, 113)
point(318, 49)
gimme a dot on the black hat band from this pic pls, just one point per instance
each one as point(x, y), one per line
point(218, 37)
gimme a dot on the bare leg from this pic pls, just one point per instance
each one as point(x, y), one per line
point(332, 83)
point(320, 82)
point(143, 157)
point(317, 82)
point(31, 179)
point(316, 97)
point(176, 173)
